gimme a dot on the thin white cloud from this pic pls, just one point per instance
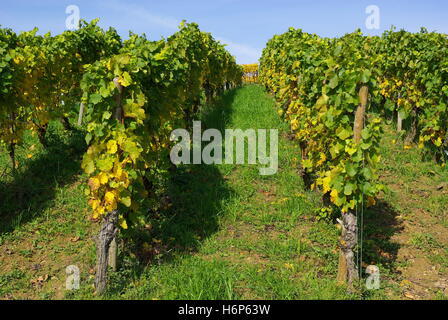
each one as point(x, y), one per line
point(139, 13)
point(243, 53)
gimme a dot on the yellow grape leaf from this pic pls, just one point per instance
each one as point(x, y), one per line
point(123, 224)
point(159, 56)
point(306, 163)
point(350, 150)
point(132, 148)
point(352, 204)
point(88, 165)
point(109, 197)
point(109, 64)
point(334, 195)
point(132, 110)
point(322, 101)
point(112, 146)
point(322, 159)
point(98, 211)
point(94, 183)
point(106, 164)
point(112, 206)
point(294, 124)
point(94, 203)
point(118, 171)
point(103, 178)
point(326, 184)
point(125, 80)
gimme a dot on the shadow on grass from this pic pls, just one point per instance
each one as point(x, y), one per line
point(380, 225)
point(31, 191)
point(197, 192)
point(196, 195)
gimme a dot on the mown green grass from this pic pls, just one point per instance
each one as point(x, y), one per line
point(228, 233)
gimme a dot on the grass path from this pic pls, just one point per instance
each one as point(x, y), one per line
point(226, 232)
point(408, 229)
point(259, 241)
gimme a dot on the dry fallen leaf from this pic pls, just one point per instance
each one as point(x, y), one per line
point(405, 283)
point(39, 281)
point(43, 278)
point(410, 296)
point(442, 185)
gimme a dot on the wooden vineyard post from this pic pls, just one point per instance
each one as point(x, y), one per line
point(81, 111)
point(106, 242)
point(399, 122)
point(360, 114)
point(12, 146)
point(399, 118)
point(112, 261)
point(119, 109)
point(12, 156)
point(348, 270)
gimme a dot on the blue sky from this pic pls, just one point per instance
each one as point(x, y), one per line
point(244, 25)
